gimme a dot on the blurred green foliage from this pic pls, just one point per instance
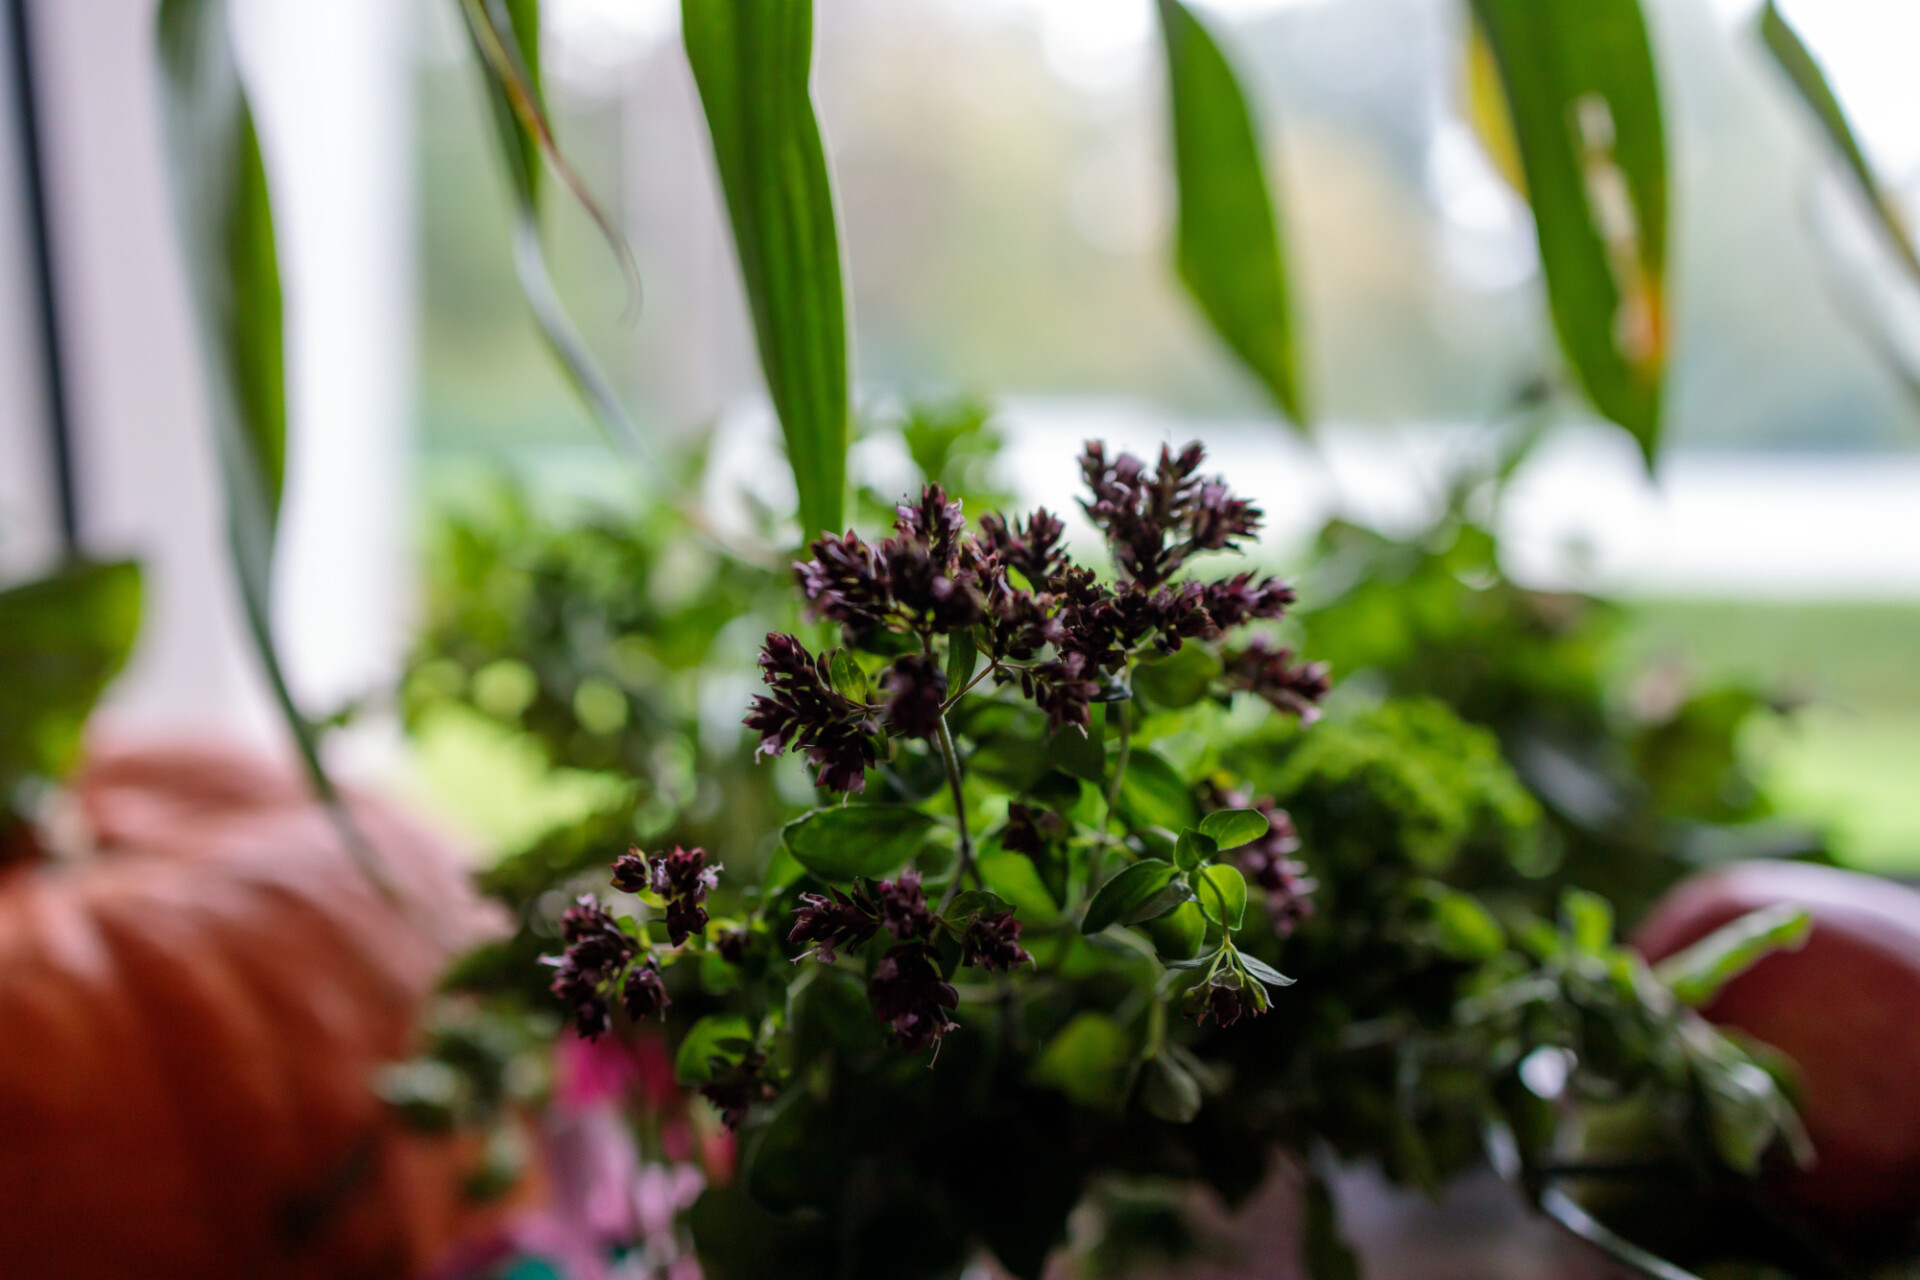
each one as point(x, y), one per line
point(62, 638)
point(1643, 777)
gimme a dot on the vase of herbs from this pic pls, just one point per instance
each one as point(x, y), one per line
point(1095, 918)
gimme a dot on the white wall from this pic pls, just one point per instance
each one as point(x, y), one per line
point(330, 84)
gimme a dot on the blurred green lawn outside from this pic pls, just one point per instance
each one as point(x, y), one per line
point(1849, 757)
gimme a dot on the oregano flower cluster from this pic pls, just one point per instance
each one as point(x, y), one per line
point(950, 636)
point(1012, 594)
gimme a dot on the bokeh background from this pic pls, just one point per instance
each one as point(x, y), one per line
point(1003, 180)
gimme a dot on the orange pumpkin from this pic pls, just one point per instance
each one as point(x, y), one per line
point(192, 1011)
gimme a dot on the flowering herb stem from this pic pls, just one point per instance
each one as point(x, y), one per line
point(992, 667)
point(966, 867)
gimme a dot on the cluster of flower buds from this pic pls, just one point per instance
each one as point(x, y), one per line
point(907, 989)
point(1053, 627)
point(599, 962)
point(596, 956)
point(1156, 520)
point(805, 711)
point(1269, 671)
point(1226, 997)
point(681, 877)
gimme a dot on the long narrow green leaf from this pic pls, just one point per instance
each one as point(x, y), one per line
point(1697, 974)
point(226, 225)
point(751, 60)
point(506, 38)
point(225, 220)
point(1229, 245)
point(1794, 58)
point(1585, 104)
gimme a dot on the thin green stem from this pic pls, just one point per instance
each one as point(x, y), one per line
point(1117, 717)
point(966, 867)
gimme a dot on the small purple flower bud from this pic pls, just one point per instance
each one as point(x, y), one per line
point(806, 711)
point(1239, 599)
point(1063, 690)
point(846, 582)
point(909, 995)
point(1270, 671)
point(916, 688)
point(933, 522)
point(596, 945)
point(903, 907)
point(644, 994)
point(827, 922)
point(992, 942)
point(630, 872)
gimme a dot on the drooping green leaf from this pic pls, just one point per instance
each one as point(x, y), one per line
point(1153, 795)
point(225, 223)
point(1584, 100)
point(1696, 974)
point(506, 39)
point(1088, 1061)
point(1794, 58)
point(1261, 971)
point(1080, 754)
point(1135, 889)
point(962, 657)
point(976, 902)
point(62, 638)
point(1231, 828)
point(1192, 850)
point(751, 60)
point(740, 1239)
point(1223, 894)
point(224, 217)
point(1229, 251)
point(717, 1040)
point(858, 840)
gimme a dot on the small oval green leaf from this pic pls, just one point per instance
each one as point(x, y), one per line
point(859, 840)
point(715, 1040)
point(1224, 894)
point(1193, 850)
point(1231, 828)
point(1130, 891)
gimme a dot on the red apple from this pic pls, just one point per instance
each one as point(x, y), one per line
point(1845, 1008)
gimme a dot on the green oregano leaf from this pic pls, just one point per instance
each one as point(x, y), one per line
point(1225, 892)
point(849, 681)
point(1127, 893)
point(858, 840)
point(1231, 828)
point(718, 1038)
point(1193, 850)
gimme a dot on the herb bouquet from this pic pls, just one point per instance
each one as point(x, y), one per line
point(1088, 915)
